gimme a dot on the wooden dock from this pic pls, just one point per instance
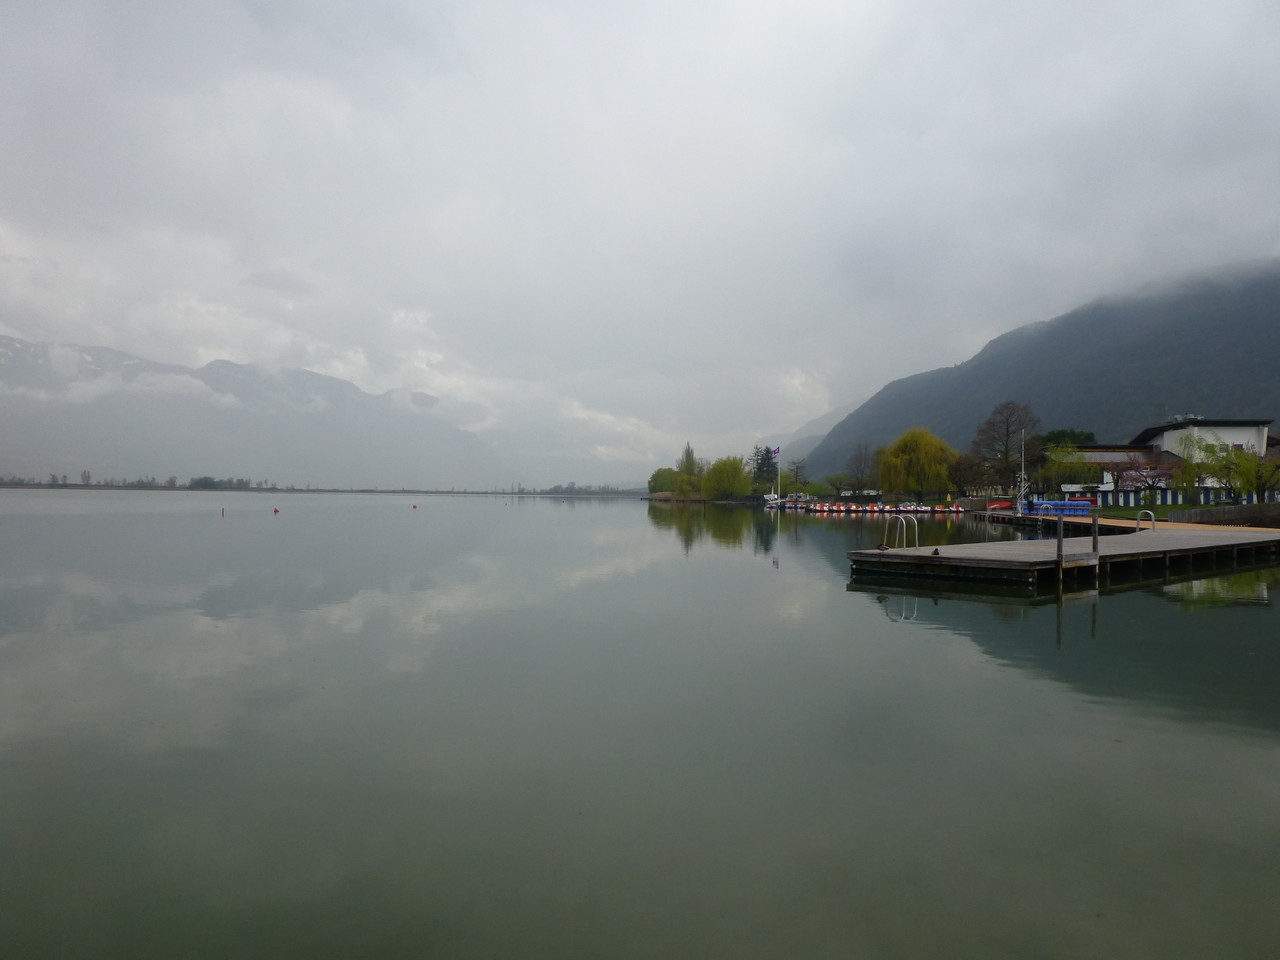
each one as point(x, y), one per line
point(1108, 525)
point(1176, 550)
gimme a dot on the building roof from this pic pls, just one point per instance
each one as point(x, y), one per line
point(1120, 454)
point(1113, 447)
point(1111, 452)
point(1108, 453)
point(1149, 434)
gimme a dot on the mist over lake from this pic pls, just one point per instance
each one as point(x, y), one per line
point(414, 726)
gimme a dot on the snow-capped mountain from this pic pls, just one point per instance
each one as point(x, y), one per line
point(66, 408)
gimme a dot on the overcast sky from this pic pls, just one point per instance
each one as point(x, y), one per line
point(599, 229)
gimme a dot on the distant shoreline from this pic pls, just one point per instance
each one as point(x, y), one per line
point(103, 488)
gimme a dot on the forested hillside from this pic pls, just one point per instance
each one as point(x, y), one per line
point(1207, 346)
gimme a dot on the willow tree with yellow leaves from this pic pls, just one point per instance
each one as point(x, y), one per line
point(918, 463)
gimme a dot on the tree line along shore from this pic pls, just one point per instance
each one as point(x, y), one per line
point(1009, 455)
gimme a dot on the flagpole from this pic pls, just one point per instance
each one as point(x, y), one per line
point(777, 506)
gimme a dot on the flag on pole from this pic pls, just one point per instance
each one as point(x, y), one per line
point(776, 451)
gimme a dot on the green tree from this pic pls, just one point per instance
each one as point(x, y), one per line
point(1189, 476)
point(663, 480)
point(1233, 469)
point(1266, 475)
point(917, 463)
point(1063, 436)
point(1064, 463)
point(726, 479)
point(688, 463)
point(764, 465)
point(687, 487)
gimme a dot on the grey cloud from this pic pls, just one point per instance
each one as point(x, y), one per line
point(666, 214)
point(282, 281)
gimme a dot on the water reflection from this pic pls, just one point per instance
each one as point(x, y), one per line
point(1247, 587)
point(832, 536)
point(318, 551)
point(489, 728)
point(1120, 646)
point(726, 526)
point(98, 605)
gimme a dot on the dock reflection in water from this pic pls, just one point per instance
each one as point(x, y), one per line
point(1133, 645)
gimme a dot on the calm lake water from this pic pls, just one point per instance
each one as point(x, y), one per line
point(505, 728)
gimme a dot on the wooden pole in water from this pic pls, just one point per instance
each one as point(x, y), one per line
point(1060, 571)
point(1097, 555)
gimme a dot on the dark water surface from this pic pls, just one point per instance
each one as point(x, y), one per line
point(493, 727)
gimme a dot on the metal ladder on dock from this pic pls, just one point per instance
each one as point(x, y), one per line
point(900, 529)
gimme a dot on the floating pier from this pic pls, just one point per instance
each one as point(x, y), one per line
point(1174, 551)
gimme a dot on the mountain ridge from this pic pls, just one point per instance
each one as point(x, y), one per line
point(65, 408)
point(1113, 365)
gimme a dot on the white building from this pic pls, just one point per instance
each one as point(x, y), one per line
point(1156, 450)
point(1226, 434)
